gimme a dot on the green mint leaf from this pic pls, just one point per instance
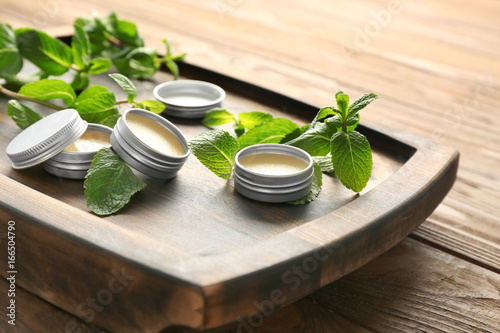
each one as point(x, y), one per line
point(109, 183)
point(49, 89)
point(342, 103)
point(99, 65)
point(47, 53)
point(111, 120)
point(80, 81)
point(326, 112)
point(317, 138)
point(360, 103)
point(215, 117)
point(97, 35)
point(126, 32)
point(90, 92)
point(153, 106)
point(315, 187)
point(179, 57)
point(21, 114)
point(352, 159)
point(126, 85)
point(216, 150)
point(80, 48)
point(251, 119)
point(295, 134)
point(106, 24)
point(140, 62)
point(172, 67)
point(97, 107)
point(352, 122)
point(96, 103)
point(11, 61)
point(272, 131)
point(325, 163)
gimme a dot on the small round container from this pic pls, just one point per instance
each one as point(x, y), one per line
point(45, 138)
point(149, 143)
point(75, 160)
point(273, 172)
point(189, 98)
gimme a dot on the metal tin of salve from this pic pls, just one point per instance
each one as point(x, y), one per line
point(150, 143)
point(74, 161)
point(45, 138)
point(189, 98)
point(285, 173)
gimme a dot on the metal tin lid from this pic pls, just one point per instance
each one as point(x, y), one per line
point(45, 138)
point(189, 98)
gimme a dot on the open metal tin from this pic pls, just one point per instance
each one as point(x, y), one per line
point(288, 185)
point(189, 98)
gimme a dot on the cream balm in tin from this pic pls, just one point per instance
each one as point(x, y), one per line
point(45, 138)
point(273, 172)
point(74, 161)
point(189, 98)
point(150, 143)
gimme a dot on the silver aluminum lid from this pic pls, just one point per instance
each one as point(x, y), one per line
point(45, 138)
point(189, 98)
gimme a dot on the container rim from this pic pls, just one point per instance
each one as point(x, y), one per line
point(165, 124)
point(94, 126)
point(179, 84)
point(276, 148)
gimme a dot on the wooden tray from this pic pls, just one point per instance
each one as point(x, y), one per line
point(191, 251)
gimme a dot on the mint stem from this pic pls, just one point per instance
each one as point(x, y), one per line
point(15, 95)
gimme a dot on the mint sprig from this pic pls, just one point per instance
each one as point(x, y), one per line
point(110, 183)
point(331, 138)
point(96, 44)
point(350, 150)
point(95, 104)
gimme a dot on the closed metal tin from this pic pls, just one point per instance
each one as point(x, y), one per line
point(45, 138)
point(189, 98)
point(273, 188)
point(74, 165)
point(143, 157)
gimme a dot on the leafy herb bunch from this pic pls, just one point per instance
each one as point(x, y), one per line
point(331, 138)
point(97, 43)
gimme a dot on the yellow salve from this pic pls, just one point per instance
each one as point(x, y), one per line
point(155, 135)
point(273, 164)
point(90, 141)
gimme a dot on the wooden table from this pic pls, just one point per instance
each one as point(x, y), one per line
point(436, 66)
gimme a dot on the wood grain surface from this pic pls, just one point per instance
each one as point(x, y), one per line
point(436, 66)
